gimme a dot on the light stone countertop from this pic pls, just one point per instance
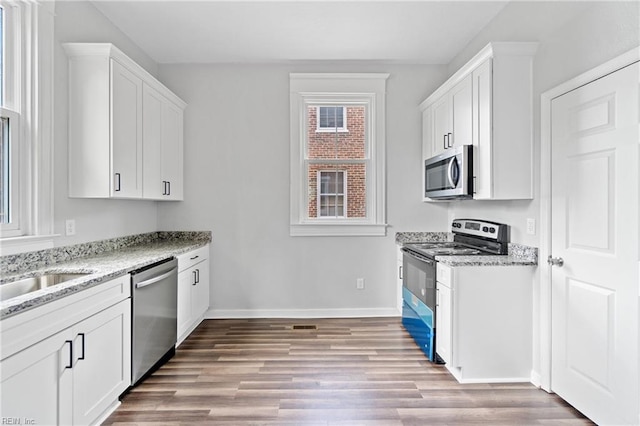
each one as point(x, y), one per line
point(518, 254)
point(102, 261)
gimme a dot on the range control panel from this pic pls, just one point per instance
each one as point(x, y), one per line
point(478, 228)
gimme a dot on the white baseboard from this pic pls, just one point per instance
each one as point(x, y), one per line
point(302, 313)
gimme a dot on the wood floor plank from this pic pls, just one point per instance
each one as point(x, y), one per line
point(355, 371)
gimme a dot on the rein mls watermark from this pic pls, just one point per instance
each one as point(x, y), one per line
point(16, 421)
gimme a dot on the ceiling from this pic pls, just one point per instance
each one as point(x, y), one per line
point(267, 31)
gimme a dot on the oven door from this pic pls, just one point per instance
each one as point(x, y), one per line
point(419, 277)
point(449, 175)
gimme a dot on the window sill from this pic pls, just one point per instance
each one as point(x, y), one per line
point(15, 245)
point(337, 230)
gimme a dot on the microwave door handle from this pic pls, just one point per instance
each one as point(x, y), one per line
point(452, 163)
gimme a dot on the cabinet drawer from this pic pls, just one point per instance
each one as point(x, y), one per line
point(444, 274)
point(187, 260)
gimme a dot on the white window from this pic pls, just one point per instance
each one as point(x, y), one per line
point(331, 119)
point(332, 193)
point(10, 112)
point(26, 125)
point(337, 154)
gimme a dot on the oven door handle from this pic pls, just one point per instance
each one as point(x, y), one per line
point(418, 257)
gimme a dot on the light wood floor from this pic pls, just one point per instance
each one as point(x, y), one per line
point(345, 372)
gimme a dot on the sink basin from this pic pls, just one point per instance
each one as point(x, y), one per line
point(27, 285)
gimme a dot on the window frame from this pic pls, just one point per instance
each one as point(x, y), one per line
point(13, 199)
point(344, 193)
point(28, 95)
point(338, 89)
point(342, 129)
point(11, 108)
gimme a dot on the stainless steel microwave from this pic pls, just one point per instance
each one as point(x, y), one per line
point(450, 175)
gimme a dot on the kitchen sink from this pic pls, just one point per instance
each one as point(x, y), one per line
point(28, 285)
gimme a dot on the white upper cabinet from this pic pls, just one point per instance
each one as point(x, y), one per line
point(125, 128)
point(488, 104)
point(162, 147)
point(452, 119)
point(126, 133)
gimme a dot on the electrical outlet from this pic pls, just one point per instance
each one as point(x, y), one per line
point(531, 226)
point(360, 283)
point(70, 227)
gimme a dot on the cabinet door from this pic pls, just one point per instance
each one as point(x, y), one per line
point(461, 105)
point(443, 323)
point(152, 184)
point(482, 119)
point(126, 132)
point(102, 367)
point(441, 125)
point(172, 147)
point(200, 291)
point(186, 279)
point(37, 383)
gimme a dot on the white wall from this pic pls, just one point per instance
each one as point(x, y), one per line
point(237, 186)
point(95, 219)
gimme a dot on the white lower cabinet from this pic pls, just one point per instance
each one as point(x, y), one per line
point(73, 376)
point(102, 368)
point(484, 322)
point(36, 384)
point(193, 290)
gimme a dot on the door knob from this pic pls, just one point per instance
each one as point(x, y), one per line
point(555, 261)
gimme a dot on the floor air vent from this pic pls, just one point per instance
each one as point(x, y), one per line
point(304, 327)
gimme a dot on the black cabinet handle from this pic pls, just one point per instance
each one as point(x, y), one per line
point(194, 257)
point(117, 182)
point(70, 354)
point(444, 141)
point(169, 186)
point(449, 142)
point(164, 187)
point(82, 335)
point(195, 278)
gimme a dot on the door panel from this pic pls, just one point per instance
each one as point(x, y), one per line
point(595, 231)
point(152, 185)
point(126, 132)
point(102, 367)
point(37, 383)
point(462, 113)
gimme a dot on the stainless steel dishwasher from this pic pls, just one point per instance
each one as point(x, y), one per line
point(154, 291)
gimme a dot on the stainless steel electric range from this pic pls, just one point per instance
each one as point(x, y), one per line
point(470, 237)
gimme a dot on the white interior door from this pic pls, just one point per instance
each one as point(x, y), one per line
point(594, 196)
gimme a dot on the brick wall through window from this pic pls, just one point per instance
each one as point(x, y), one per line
point(349, 144)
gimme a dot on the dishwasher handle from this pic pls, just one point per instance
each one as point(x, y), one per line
point(155, 279)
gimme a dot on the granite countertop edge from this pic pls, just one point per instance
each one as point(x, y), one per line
point(101, 267)
point(518, 255)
